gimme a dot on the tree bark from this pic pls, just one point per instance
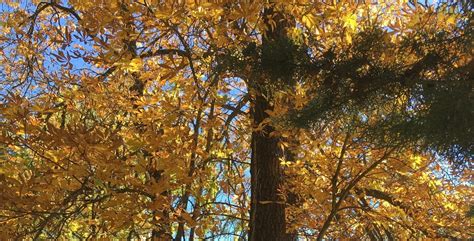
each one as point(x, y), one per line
point(267, 213)
point(268, 206)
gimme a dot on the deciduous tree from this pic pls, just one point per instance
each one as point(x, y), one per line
point(260, 120)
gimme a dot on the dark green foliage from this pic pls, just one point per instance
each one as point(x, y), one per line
point(437, 113)
point(281, 61)
point(278, 59)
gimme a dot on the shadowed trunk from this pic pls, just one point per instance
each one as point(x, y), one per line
point(268, 207)
point(267, 214)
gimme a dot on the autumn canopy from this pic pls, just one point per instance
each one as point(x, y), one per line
point(236, 120)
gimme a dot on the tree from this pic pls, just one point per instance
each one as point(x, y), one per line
point(144, 119)
point(437, 93)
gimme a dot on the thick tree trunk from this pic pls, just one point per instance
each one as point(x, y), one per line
point(267, 214)
point(268, 207)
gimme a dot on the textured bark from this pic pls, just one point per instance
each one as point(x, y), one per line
point(292, 198)
point(267, 214)
point(268, 207)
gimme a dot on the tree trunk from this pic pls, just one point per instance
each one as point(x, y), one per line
point(267, 212)
point(268, 207)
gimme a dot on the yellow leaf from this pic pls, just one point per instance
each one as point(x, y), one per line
point(309, 20)
point(51, 155)
point(415, 161)
point(350, 21)
point(451, 20)
point(348, 38)
point(74, 226)
point(135, 65)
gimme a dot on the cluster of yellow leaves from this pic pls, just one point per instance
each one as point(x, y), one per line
point(403, 194)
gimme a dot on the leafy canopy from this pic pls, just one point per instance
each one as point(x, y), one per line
point(129, 119)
